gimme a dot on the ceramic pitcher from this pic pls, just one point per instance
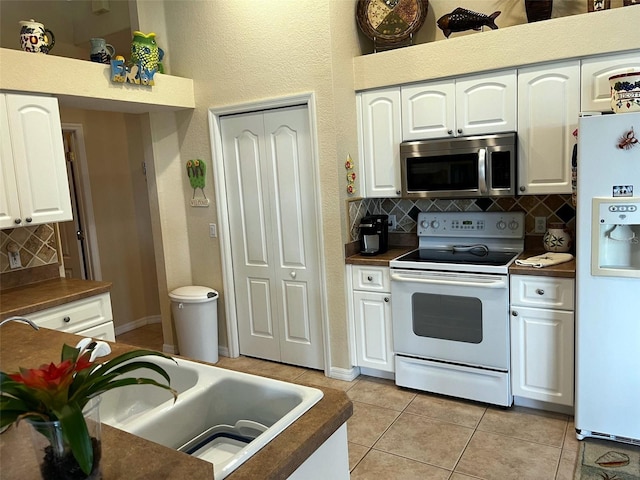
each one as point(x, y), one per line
point(35, 38)
point(101, 51)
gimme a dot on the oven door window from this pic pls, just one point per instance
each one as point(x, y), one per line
point(442, 172)
point(447, 317)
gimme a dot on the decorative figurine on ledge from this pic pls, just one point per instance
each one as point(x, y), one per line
point(462, 19)
point(146, 59)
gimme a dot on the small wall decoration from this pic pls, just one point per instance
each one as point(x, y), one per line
point(462, 19)
point(146, 59)
point(597, 5)
point(628, 140)
point(351, 175)
point(196, 171)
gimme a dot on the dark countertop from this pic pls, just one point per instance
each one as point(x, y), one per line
point(381, 260)
point(563, 270)
point(46, 294)
point(126, 456)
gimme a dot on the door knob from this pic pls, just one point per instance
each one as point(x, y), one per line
point(293, 274)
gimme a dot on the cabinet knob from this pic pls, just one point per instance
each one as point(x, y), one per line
point(398, 192)
point(386, 299)
point(66, 319)
point(539, 291)
point(370, 278)
point(449, 132)
point(17, 221)
point(514, 313)
point(459, 130)
point(293, 274)
point(523, 188)
point(29, 219)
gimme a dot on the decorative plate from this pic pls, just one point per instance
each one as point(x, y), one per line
point(388, 22)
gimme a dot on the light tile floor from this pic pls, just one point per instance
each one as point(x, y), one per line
point(398, 433)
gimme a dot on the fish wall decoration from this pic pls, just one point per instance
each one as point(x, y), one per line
point(462, 19)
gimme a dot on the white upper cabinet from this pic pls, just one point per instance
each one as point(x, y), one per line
point(473, 105)
point(596, 91)
point(33, 170)
point(380, 135)
point(548, 110)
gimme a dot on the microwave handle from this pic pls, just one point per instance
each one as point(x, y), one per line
point(482, 169)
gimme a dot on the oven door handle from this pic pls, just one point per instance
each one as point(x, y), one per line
point(481, 283)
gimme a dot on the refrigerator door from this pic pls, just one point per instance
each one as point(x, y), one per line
point(608, 296)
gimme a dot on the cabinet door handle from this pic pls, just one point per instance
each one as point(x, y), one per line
point(459, 130)
point(17, 221)
point(514, 313)
point(523, 188)
point(539, 291)
point(370, 278)
point(386, 299)
point(29, 219)
point(449, 132)
point(66, 319)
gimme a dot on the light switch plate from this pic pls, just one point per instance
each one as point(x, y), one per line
point(14, 260)
point(540, 225)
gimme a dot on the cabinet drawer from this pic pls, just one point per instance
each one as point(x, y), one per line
point(375, 279)
point(542, 292)
point(75, 316)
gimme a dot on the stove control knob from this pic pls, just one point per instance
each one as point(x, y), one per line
point(501, 225)
point(435, 224)
point(424, 224)
point(513, 225)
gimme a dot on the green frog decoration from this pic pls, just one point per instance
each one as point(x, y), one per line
point(146, 54)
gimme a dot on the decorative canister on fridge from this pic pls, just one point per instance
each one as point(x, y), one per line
point(557, 238)
point(35, 38)
point(625, 92)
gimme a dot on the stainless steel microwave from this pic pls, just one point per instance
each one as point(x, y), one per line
point(478, 166)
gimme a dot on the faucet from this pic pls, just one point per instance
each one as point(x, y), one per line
point(20, 319)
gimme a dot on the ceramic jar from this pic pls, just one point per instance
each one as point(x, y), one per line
point(101, 51)
point(625, 92)
point(557, 238)
point(35, 38)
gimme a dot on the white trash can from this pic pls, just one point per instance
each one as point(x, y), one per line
point(195, 312)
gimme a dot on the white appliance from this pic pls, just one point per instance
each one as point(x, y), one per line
point(608, 278)
point(451, 305)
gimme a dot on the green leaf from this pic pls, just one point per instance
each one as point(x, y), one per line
point(130, 381)
point(74, 430)
point(69, 353)
point(126, 357)
point(129, 367)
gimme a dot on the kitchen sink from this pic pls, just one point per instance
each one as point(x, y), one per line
point(221, 416)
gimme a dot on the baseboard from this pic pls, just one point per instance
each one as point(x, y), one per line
point(372, 372)
point(141, 322)
point(223, 351)
point(347, 374)
point(540, 405)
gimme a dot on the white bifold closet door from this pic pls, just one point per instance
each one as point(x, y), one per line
point(269, 177)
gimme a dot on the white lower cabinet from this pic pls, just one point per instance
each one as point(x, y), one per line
point(542, 338)
point(89, 317)
point(371, 299)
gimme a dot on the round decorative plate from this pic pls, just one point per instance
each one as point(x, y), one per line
point(390, 21)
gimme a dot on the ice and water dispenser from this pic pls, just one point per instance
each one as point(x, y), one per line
point(616, 237)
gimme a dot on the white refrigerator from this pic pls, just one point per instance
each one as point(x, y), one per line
point(608, 278)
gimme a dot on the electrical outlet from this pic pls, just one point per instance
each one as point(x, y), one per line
point(540, 225)
point(392, 222)
point(14, 260)
point(213, 230)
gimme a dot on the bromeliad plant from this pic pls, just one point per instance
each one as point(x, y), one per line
point(59, 392)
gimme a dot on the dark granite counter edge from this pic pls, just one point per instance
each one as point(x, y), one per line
point(38, 296)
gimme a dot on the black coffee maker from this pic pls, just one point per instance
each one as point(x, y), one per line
point(374, 234)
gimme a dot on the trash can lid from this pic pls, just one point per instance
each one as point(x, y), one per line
point(193, 294)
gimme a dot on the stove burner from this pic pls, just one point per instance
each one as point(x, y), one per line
point(474, 255)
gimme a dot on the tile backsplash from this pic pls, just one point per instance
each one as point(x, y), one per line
point(36, 245)
point(555, 208)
